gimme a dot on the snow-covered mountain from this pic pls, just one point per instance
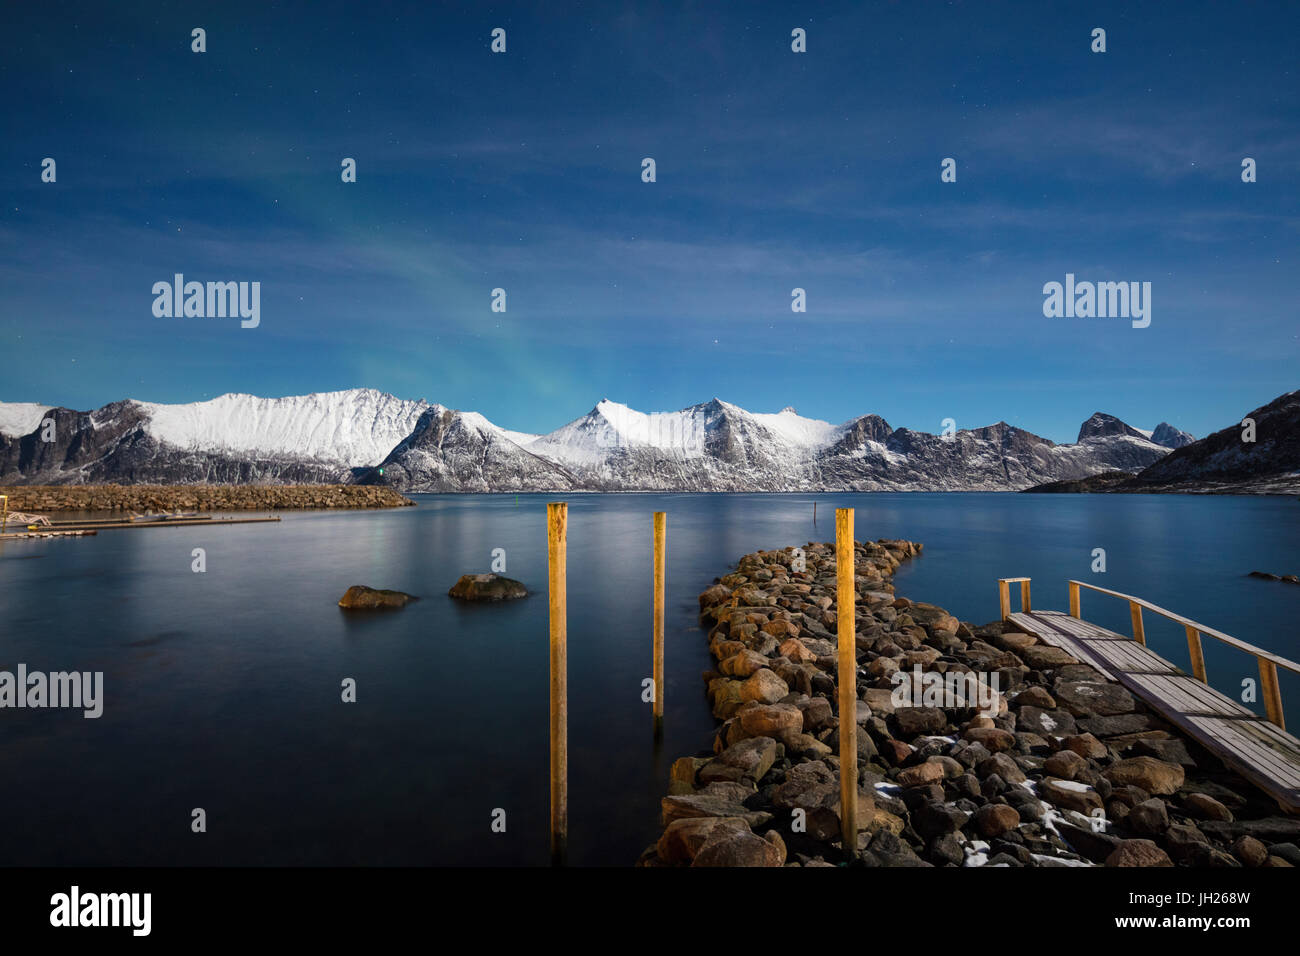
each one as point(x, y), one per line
point(233, 438)
point(355, 427)
point(363, 435)
point(1171, 437)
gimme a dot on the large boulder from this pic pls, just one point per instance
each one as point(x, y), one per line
point(763, 686)
point(487, 587)
point(1070, 795)
point(1089, 699)
point(1044, 657)
point(749, 759)
point(771, 720)
point(731, 846)
point(361, 598)
point(1153, 776)
point(684, 837)
point(1138, 853)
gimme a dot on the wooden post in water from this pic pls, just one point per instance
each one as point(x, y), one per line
point(1074, 599)
point(4, 523)
point(557, 529)
point(845, 600)
point(660, 552)
point(814, 512)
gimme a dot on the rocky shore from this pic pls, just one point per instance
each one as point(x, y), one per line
point(1054, 766)
point(154, 498)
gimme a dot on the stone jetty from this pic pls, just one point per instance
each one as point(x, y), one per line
point(977, 746)
point(44, 499)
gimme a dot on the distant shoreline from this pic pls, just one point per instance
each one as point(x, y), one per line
point(156, 498)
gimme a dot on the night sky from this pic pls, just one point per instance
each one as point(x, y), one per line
point(775, 170)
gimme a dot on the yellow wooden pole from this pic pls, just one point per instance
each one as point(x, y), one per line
point(1024, 596)
point(4, 523)
point(1272, 692)
point(1195, 652)
point(1074, 600)
point(845, 600)
point(1135, 612)
point(660, 553)
point(557, 529)
point(1004, 599)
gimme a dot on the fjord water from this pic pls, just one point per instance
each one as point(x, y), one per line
point(222, 689)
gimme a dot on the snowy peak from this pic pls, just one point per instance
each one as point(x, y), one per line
point(1168, 436)
point(355, 428)
point(20, 418)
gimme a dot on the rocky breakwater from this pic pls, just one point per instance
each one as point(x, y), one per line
point(1048, 763)
point(157, 498)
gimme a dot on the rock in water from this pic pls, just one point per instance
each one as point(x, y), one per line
point(360, 598)
point(487, 587)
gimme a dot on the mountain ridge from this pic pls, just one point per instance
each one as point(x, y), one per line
point(368, 436)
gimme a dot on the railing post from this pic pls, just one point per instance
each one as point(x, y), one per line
point(1272, 692)
point(845, 601)
point(1135, 611)
point(1024, 596)
point(1074, 599)
point(660, 550)
point(1004, 599)
point(557, 530)
point(1195, 652)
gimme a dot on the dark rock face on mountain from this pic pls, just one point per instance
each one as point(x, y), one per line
point(112, 444)
point(859, 432)
point(451, 451)
point(1226, 462)
point(1102, 425)
point(1171, 437)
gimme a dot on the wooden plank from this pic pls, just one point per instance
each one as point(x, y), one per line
point(1201, 628)
point(1004, 599)
point(1262, 753)
point(1244, 744)
point(1189, 695)
point(1130, 658)
point(1044, 627)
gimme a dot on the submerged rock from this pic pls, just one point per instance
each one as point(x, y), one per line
point(361, 598)
point(487, 587)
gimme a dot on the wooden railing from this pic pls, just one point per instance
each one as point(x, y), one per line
point(1268, 662)
point(1004, 595)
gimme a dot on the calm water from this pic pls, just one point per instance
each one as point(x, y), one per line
point(223, 689)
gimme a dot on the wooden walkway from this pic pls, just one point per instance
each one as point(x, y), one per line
point(1258, 749)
